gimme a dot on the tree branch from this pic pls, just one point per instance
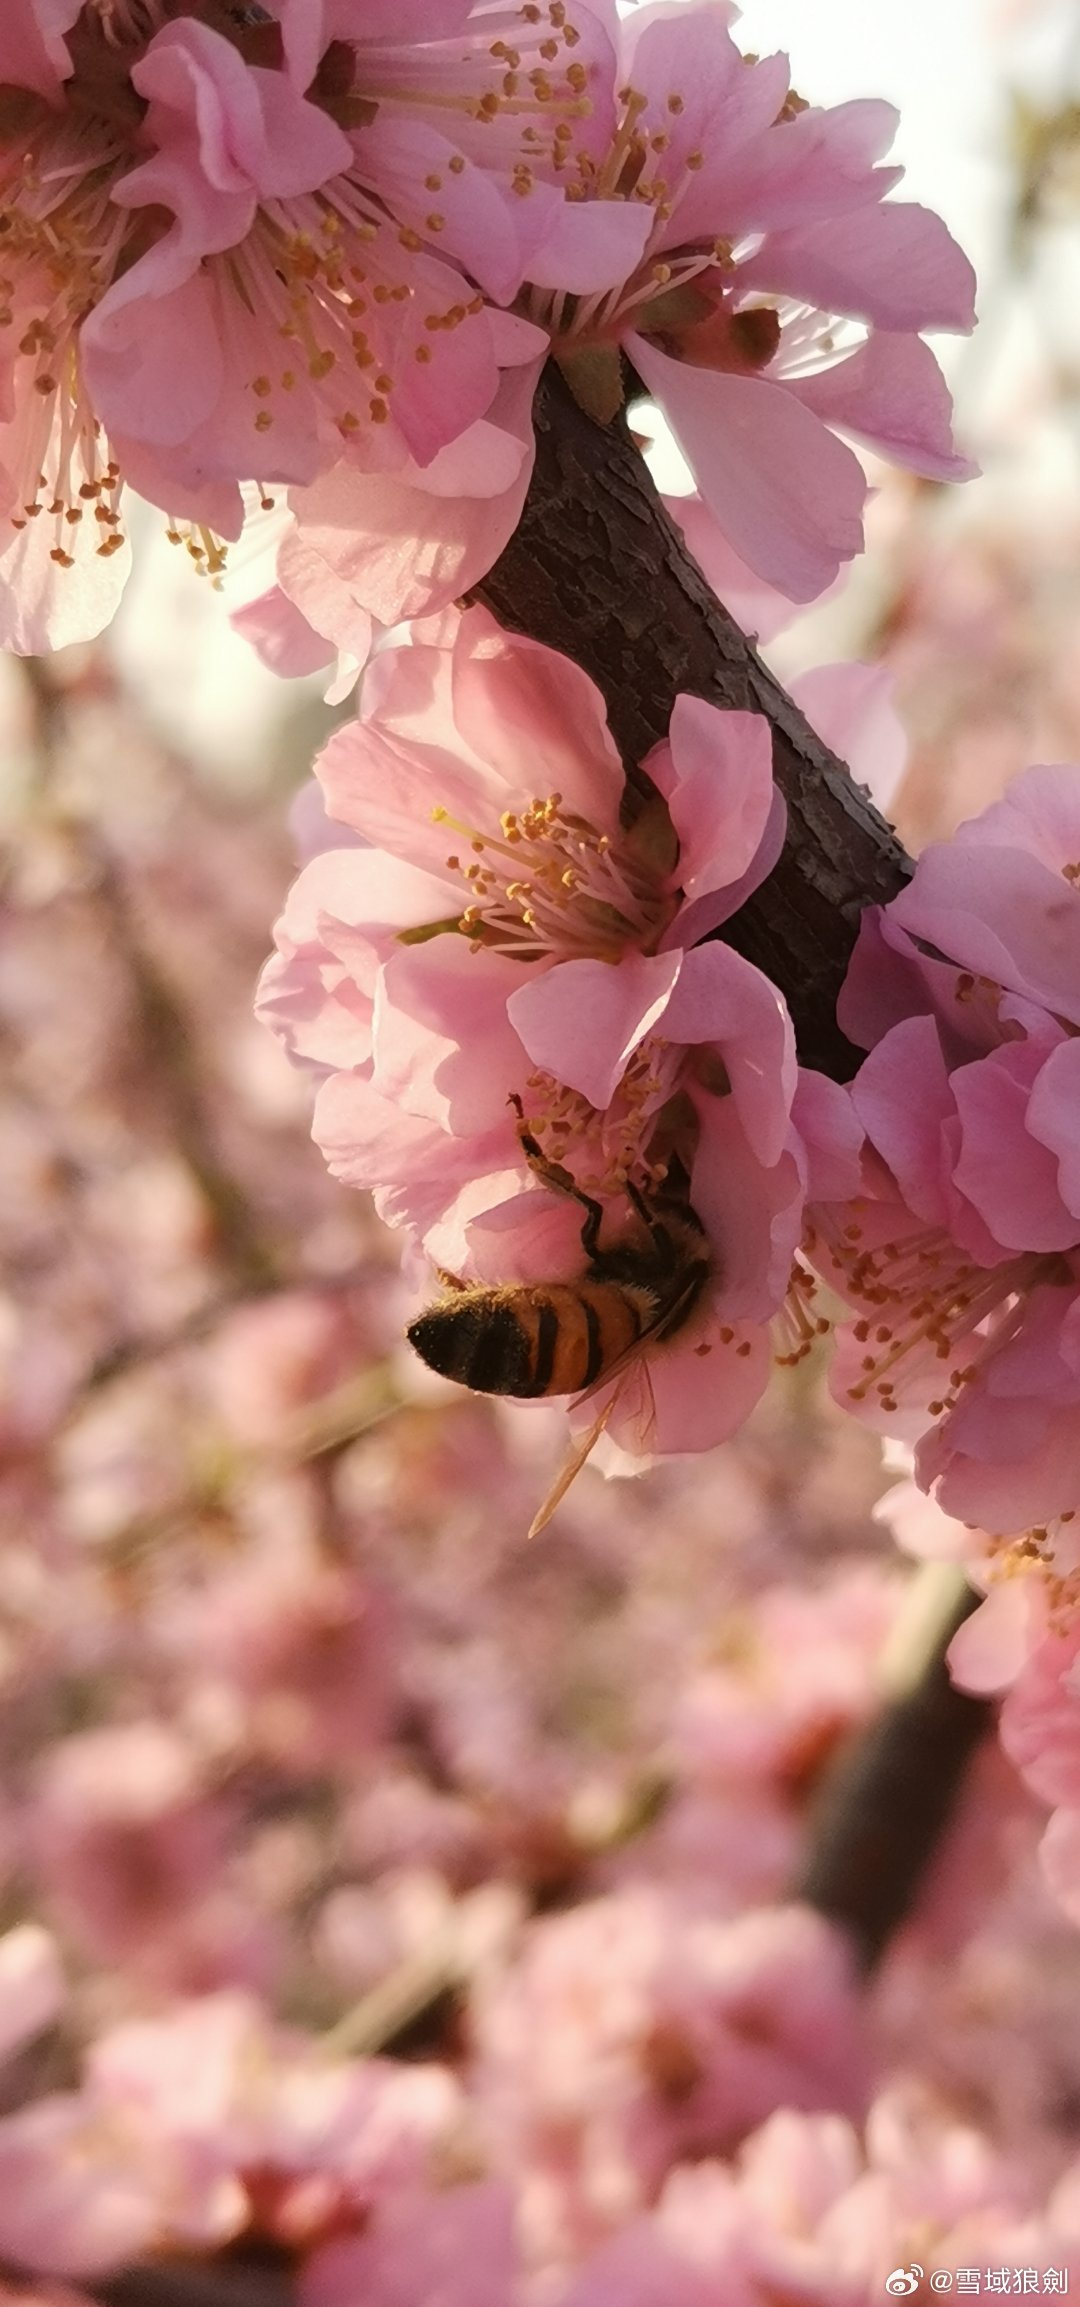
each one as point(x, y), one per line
point(890, 1794)
point(595, 568)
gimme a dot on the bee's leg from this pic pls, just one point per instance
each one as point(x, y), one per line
point(659, 1231)
point(450, 1281)
point(559, 1180)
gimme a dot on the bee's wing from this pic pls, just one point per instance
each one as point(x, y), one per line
point(572, 1467)
point(634, 1352)
point(585, 1447)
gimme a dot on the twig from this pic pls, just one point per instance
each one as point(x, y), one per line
point(408, 1993)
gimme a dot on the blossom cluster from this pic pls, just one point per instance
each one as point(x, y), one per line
point(496, 947)
point(321, 252)
point(389, 1903)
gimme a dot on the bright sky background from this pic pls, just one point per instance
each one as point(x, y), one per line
point(932, 58)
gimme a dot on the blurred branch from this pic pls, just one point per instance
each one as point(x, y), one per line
point(408, 1993)
point(187, 2283)
point(890, 1794)
point(164, 1043)
point(236, 2280)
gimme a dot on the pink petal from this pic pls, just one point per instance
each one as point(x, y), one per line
point(994, 1644)
point(999, 913)
point(528, 1236)
point(892, 395)
point(251, 129)
point(328, 605)
point(32, 1986)
point(153, 474)
point(366, 1139)
point(819, 165)
point(1010, 1177)
point(694, 923)
point(894, 264)
point(700, 1389)
point(341, 917)
point(1004, 1461)
point(71, 2202)
point(583, 1020)
point(757, 607)
point(1039, 813)
point(34, 54)
point(403, 154)
point(45, 607)
point(902, 1097)
point(152, 355)
point(443, 1045)
point(787, 494)
point(397, 23)
point(402, 548)
point(1053, 1116)
point(751, 1213)
point(725, 112)
point(889, 978)
point(536, 718)
point(536, 714)
point(831, 1133)
point(1059, 1854)
point(585, 246)
point(452, 2247)
point(851, 707)
point(281, 637)
point(722, 1000)
point(715, 772)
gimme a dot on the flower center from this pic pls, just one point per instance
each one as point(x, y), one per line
point(548, 884)
point(635, 1137)
point(933, 1315)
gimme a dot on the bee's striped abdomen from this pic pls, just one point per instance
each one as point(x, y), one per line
point(476, 1339)
point(597, 1322)
point(531, 1340)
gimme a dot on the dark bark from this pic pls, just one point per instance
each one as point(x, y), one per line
point(198, 2283)
point(596, 568)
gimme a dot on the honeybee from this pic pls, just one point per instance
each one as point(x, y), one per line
point(534, 1339)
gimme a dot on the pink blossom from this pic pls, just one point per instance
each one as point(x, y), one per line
point(32, 1989)
point(302, 1650)
point(776, 296)
point(248, 2126)
point(1040, 1731)
point(77, 2196)
point(126, 1839)
point(207, 2123)
point(278, 1356)
point(632, 2031)
point(497, 939)
point(811, 2212)
point(961, 1252)
point(455, 2245)
point(184, 195)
